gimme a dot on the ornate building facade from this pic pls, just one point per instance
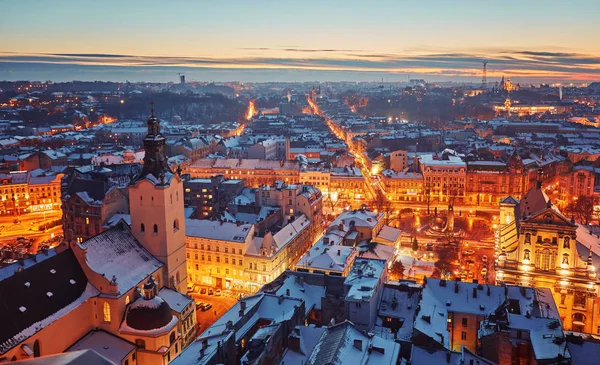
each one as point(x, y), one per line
point(538, 246)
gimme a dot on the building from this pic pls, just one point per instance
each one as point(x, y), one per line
point(364, 287)
point(210, 196)
point(22, 192)
point(92, 197)
point(399, 160)
point(403, 186)
point(216, 252)
point(255, 172)
point(111, 284)
point(444, 178)
point(538, 246)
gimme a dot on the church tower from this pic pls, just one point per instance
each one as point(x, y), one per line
point(156, 207)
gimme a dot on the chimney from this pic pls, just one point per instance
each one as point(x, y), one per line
point(287, 292)
point(294, 343)
point(456, 287)
point(280, 299)
point(339, 252)
point(358, 344)
point(474, 292)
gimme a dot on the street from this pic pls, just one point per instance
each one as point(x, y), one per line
point(220, 305)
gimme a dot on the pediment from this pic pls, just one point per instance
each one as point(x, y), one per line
point(549, 216)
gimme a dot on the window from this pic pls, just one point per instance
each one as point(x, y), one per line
point(36, 348)
point(226, 250)
point(240, 251)
point(526, 255)
point(567, 242)
point(463, 335)
point(106, 312)
point(357, 305)
point(175, 225)
point(172, 338)
point(240, 262)
point(226, 260)
point(563, 297)
point(218, 259)
point(465, 322)
point(197, 267)
point(140, 343)
point(579, 299)
point(142, 228)
point(127, 300)
point(156, 228)
point(133, 357)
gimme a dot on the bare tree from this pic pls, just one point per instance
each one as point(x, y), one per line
point(582, 209)
point(397, 270)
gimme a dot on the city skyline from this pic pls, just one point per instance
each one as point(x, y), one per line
point(300, 41)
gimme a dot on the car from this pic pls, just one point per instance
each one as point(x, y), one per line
point(203, 291)
point(190, 287)
point(429, 246)
point(484, 271)
point(218, 292)
point(484, 258)
point(196, 289)
point(206, 307)
point(199, 304)
point(468, 252)
point(210, 292)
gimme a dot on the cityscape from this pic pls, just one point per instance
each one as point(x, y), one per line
point(197, 187)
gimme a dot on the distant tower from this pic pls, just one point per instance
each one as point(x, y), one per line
point(181, 78)
point(484, 77)
point(560, 95)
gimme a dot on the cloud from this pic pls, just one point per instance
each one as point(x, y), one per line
point(522, 63)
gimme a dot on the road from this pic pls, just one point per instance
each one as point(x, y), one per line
point(220, 305)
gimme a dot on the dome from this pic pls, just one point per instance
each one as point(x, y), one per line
point(148, 314)
point(150, 311)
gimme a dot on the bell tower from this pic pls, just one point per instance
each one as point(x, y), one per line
point(156, 207)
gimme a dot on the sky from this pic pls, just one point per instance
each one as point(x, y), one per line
point(286, 40)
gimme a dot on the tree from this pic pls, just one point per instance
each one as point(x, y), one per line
point(333, 203)
point(582, 209)
point(397, 270)
point(415, 244)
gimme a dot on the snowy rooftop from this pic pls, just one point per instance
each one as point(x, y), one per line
point(110, 346)
point(389, 235)
point(397, 301)
point(9, 270)
point(309, 337)
point(439, 297)
point(177, 301)
point(360, 217)
point(344, 344)
point(543, 333)
point(217, 230)
point(259, 306)
point(295, 288)
point(117, 253)
point(326, 257)
point(363, 277)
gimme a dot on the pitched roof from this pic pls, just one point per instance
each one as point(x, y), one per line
point(117, 253)
point(35, 294)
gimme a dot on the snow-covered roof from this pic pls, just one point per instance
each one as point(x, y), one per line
point(543, 333)
point(177, 301)
point(110, 346)
point(363, 278)
point(344, 344)
point(218, 230)
point(295, 288)
point(309, 336)
point(117, 253)
point(389, 235)
point(397, 301)
point(326, 257)
point(439, 297)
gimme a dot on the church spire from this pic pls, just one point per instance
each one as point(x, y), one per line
point(155, 159)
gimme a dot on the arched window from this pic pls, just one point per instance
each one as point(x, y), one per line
point(565, 259)
point(528, 238)
point(175, 225)
point(156, 228)
point(106, 312)
point(142, 228)
point(36, 348)
point(127, 300)
point(567, 242)
point(171, 198)
point(537, 259)
point(172, 337)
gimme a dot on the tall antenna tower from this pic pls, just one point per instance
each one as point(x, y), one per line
point(484, 77)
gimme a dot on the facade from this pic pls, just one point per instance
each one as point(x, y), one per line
point(23, 193)
point(399, 160)
point(443, 180)
point(216, 252)
point(539, 247)
point(403, 186)
point(255, 172)
point(210, 196)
